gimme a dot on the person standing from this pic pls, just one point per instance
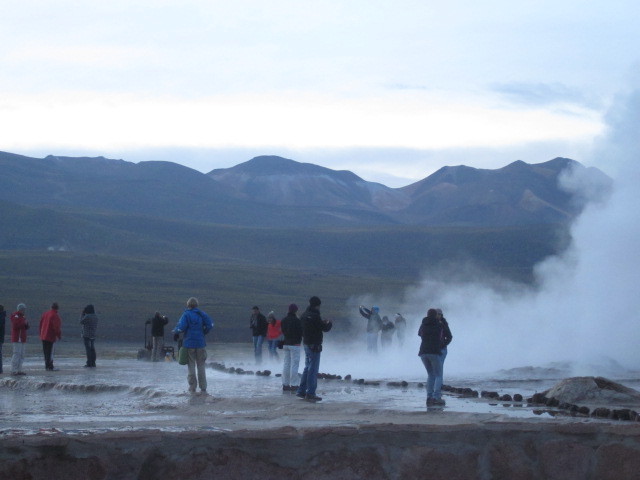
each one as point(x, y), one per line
point(386, 335)
point(50, 331)
point(19, 327)
point(446, 336)
point(89, 322)
point(430, 353)
point(195, 324)
point(3, 320)
point(401, 328)
point(157, 336)
point(374, 324)
point(258, 326)
point(292, 331)
point(313, 327)
point(274, 334)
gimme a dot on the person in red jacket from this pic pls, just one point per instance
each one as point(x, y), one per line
point(50, 331)
point(274, 334)
point(19, 327)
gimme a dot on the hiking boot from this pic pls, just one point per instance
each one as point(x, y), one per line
point(300, 395)
point(439, 402)
point(430, 401)
point(286, 388)
point(312, 398)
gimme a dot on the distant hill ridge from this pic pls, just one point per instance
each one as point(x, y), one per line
point(275, 191)
point(516, 194)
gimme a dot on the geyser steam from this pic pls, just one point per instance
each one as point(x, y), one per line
point(585, 308)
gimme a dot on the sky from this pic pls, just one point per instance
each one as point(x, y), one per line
point(391, 90)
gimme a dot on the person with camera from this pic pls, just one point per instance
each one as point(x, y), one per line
point(158, 321)
point(313, 326)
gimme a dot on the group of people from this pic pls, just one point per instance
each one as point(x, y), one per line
point(384, 327)
point(50, 330)
point(293, 335)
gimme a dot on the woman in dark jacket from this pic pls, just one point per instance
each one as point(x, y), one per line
point(430, 354)
point(292, 331)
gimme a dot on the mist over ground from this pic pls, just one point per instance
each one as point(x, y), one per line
point(583, 312)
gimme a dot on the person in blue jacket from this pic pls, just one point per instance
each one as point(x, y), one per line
point(195, 324)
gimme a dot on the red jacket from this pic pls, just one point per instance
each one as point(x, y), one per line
point(19, 326)
point(50, 326)
point(273, 330)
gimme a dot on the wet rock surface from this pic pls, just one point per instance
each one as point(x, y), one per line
point(593, 391)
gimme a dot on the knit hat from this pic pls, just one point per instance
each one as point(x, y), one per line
point(293, 308)
point(21, 306)
point(314, 301)
point(271, 314)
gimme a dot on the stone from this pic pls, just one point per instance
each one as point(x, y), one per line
point(596, 391)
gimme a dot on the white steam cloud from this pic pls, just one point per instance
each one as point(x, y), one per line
point(584, 310)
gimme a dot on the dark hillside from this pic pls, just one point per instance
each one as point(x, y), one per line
point(156, 189)
point(280, 181)
point(517, 194)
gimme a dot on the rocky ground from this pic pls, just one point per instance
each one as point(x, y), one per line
point(283, 437)
point(288, 438)
point(435, 447)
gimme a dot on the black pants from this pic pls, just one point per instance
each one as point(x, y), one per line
point(47, 348)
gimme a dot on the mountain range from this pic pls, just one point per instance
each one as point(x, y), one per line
point(272, 191)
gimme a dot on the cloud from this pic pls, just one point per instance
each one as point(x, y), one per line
point(544, 94)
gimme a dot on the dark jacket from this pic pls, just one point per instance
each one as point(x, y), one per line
point(313, 326)
point(292, 329)
point(258, 325)
point(446, 333)
point(431, 334)
point(3, 320)
point(157, 325)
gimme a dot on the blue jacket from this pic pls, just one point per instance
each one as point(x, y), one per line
point(195, 324)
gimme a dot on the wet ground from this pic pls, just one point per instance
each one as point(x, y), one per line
point(124, 393)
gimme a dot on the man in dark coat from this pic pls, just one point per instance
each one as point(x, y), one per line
point(292, 331)
point(157, 336)
point(313, 327)
point(258, 325)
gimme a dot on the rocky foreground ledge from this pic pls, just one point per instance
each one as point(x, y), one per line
point(384, 451)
